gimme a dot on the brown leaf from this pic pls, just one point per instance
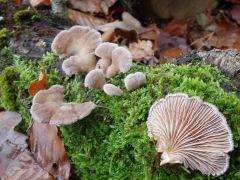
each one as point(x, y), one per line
point(92, 6)
point(16, 162)
point(41, 84)
point(84, 19)
point(151, 32)
point(129, 36)
point(177, 27)
point(48, 149)
point(228, 36)
point(234, 1)
point(35, 3)
point(142, 50)
point(235, 13)
point(172, 53)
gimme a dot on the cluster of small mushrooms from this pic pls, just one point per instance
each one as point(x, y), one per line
point(81, 45)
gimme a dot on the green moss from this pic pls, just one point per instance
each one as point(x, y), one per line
point(3, 36)
point(8, 91)
point(112, 143)
point(6, 58)
point(22, 15)
point(3, 1)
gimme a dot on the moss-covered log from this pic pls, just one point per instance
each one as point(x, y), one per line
point(112, 143)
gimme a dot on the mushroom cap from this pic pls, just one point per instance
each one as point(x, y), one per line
point(114, 59)
point(104, 50)
point(95, 79)
point(48, 106)
point(122, 59)
point(191, 132)
point(78, 40)
point(79, 65)
point(8, 121)
point(112, 90)
point(134, 80)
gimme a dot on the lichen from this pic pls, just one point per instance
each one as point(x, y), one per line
point(112, 143)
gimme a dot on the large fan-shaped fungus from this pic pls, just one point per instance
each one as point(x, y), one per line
point(191, 132)
point(78, 45)
point(49, 107)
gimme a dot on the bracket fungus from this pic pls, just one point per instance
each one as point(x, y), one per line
point(8, 121)
point(114, 59)
point(77, 45)
point(191, 132)
point(95, 79)
point(112, 90)
point(134, 81)
point(48, 106)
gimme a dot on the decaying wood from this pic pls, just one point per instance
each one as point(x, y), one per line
point(228, 61)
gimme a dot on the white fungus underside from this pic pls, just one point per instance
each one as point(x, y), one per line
point(198, 133)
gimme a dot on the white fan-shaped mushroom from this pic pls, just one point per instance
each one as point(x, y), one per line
point(48, 106)
point(134, 81)
point(78, 45)
point(95, 79)
point(191, 132)
point(114, 59)
point(112, 90)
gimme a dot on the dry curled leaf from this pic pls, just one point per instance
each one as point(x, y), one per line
point(41, 84)
point(84, 19)
point(16, 162)
point(176, 27)
point(152, 32)
point(92, 6)
point(235, 13)
point(35, 3)
point(48, 149)
point(171, 53)
point(142, 50)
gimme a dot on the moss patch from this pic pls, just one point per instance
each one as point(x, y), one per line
point(112, 143)
point(3, 36)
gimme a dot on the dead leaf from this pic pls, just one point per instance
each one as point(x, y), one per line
point(128, 23)
point(16, 162)
point(41, 84)
point(93, 6)
point(84, 19)
point(177, 27)
point(124, 35)
point(228, 36)
point(167, 42)
point(235, 13)
point(151, 32)
point(48, 149)
point(36, 3)
point(172, 53)
point(142, 50)
point(234, 1)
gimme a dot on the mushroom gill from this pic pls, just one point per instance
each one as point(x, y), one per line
point(190, 132)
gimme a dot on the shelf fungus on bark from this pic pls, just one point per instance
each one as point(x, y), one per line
point(190, 132)
point(48, 106)
point(114, 59)
point(77, 45)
